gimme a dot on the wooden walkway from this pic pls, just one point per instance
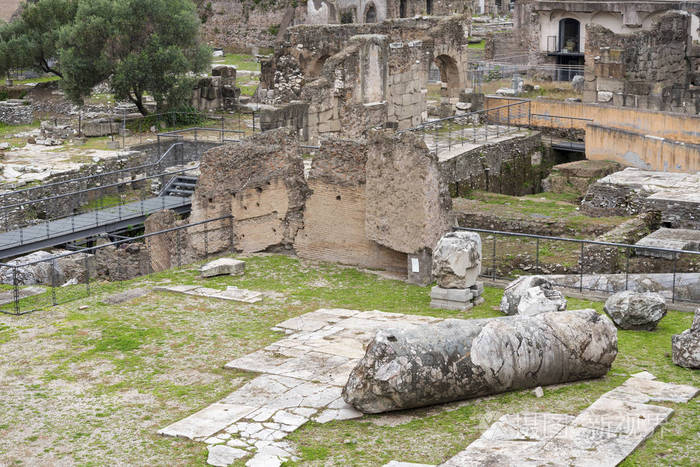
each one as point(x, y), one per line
point(61, 231)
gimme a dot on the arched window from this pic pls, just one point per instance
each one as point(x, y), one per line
point(570, 35)
point(371, 15)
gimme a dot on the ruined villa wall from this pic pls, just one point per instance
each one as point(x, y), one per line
point(334, 218)
point(648, 69)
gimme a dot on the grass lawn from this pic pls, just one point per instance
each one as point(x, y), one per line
point(240, 61)
point(90, 383)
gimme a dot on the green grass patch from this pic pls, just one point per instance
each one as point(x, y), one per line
point(240, 61)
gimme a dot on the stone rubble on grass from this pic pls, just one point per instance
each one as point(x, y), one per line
point(636, 311)
point(605, 433)
point(530, 295)
point(685, 347)
point(456, 267)
point(302, 376)
point(458, 359)
point(223, 266)
point(231, 293)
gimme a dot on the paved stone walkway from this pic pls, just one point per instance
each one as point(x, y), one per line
point(231, 292)
point(302, 377)
point(603, 435)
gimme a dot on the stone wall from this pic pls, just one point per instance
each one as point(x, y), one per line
point(649, 69)
point(356, 11)
point(513, 167)
point(602, 259)
point(356, 77)
point(576, 177)
point(15, 112)
point(239, 25)
point(366, 203)
point(334, 216)
point(640, 150)
point(259, 181)
point(216, 92)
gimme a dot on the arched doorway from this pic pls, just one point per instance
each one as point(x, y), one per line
point(570, 35)
point(371, 15)
point(402, 9)
point(449, 73)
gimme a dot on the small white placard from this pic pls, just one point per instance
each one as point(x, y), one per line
point(415, 267)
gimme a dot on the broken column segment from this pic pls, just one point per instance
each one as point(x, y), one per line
point(456, 267)
point(461, 359)
point(685, 347)
point(531, 295)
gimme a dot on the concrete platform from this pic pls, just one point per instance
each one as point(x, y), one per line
point(677, 239)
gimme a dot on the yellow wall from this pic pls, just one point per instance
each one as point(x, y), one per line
point(648, 152)
point(674, 126)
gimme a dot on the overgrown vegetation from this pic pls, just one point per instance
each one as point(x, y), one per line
point(92, 385)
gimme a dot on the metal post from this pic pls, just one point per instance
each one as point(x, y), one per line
point(627, 267)
point(231, 233)
point(436, 139)
point(87, 272)
point(494, 257)
point(580, 262)
point(53, 282)
point(15, 289)
point(537, 255)
point(673, 288)
point(179, 248)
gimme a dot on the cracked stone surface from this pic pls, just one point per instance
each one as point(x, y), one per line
point(301, 379)
point(636, 311)
point(461, 359)
point(604, 434)
point(231, 293)
point(530, 295)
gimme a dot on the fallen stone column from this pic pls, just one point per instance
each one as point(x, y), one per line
point(460, 359)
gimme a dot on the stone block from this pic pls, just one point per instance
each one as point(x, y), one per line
point(610, 85)
point(223, 266)
point(605, 96)
point(455, 295)
point(450, 305)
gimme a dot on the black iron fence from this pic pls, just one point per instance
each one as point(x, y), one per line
point(61, 278)
point(592, 266)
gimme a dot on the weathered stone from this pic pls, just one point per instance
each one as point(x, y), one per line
point(408, 204)
point(223, 266)
point(460, 359)
point(685, 347)
point(577, 83)
point(223, 456)
point(547, 298)
point(457, 260)
point(637, 311)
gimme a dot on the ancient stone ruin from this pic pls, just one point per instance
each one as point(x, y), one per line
point(685, 347)
point(633, 310)
point(531, 295)
point(457, 266)
point(460, 359)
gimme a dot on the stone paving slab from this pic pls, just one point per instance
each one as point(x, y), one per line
point(232, 293)
point(605, 433)
point(301, 379)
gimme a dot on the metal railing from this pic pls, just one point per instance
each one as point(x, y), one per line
point(99, 206)
point(22, 300)
point(445, 134)
point(590, 265)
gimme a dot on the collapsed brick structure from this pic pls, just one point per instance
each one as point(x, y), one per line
point(354, 77)
point(377, 203)
point(655, 69)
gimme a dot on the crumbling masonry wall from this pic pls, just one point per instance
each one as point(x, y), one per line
point(259, 181)
point(648, 69)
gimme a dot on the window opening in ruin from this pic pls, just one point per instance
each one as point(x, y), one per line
point(371, 15)
point(402, 9)
point(449, 72)
point(429, 7)
point(569, 35)
point(314, 68)
point(346, 17)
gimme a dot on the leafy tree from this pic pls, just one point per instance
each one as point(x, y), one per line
point(30, 41)
point(139, 46)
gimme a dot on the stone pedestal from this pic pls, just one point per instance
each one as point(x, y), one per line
point(456, 299)
point(420, 268)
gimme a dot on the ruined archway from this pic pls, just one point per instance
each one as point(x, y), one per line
point(449, 73)
point(371, 14)
point(570, 35)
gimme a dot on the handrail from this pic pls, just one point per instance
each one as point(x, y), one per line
point(118, 242)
